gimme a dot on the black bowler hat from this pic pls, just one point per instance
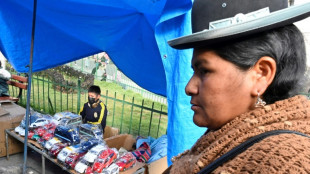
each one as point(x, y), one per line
point(216, 21)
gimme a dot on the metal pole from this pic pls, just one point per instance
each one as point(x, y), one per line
point(43, 164)
point(29, 84)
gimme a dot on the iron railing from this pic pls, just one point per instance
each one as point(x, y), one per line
point(144, 118)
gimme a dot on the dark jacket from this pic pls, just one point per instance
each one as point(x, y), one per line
point(97, 115)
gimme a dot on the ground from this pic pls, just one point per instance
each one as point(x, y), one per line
point(15, 163)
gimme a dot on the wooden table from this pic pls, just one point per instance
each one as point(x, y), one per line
point(34, 146)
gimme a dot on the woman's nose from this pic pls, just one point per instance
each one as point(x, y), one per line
point(192, 87)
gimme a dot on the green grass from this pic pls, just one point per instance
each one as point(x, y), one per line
point(125, 109)
point(127, 117)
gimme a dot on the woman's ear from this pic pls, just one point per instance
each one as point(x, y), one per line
point(264, 70)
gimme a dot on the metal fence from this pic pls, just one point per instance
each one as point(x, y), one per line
point(136, 117)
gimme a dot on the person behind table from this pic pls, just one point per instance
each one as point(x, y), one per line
point(4, 77)
point(246, 82)
point(94, 111)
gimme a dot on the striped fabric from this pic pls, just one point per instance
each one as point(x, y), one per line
point(143, 153)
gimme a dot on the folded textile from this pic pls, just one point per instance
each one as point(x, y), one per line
point(143, 153)
point(158, 147)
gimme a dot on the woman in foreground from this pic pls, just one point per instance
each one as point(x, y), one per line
point(246, 82)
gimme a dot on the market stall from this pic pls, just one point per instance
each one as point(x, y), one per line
point(84, 148)
point(36, 147)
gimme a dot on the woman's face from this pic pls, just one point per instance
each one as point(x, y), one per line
point(219, 90)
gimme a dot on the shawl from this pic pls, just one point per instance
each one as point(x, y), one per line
point(284, 153)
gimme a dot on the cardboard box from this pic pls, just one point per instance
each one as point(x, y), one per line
point(123, 140)
point(110, 132)
point(11, 115)
point(157, 167)
point(139, 168)
point(128, 142)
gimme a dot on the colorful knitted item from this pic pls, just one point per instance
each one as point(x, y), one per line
point(143, 153)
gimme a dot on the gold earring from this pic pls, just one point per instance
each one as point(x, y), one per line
point(260, 102)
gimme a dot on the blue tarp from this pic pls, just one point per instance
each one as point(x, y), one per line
point(133, 32)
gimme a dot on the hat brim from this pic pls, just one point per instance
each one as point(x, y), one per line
point(273, 20)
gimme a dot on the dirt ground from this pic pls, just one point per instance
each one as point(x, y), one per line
point(34, 164)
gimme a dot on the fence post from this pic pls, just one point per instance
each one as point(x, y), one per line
point(43, 95)
point(151, 119)
point(114, 109)
point(72, 101)
point(122, 113)
point(60, 94)
point(78, 96)
point(161, 110)
point(67, 90)
point(33, 100)
point(55, 97)
point(38, 88)
point(132, 103)
point(48, 94)
point(141, 116)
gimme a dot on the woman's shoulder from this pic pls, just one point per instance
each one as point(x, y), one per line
point(283, 145)
point(274, 154)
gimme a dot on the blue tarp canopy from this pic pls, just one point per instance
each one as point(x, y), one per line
point(133, 32)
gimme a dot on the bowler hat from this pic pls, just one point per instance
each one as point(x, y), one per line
point(217, 21)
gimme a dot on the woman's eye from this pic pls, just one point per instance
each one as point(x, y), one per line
point(203, 71)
